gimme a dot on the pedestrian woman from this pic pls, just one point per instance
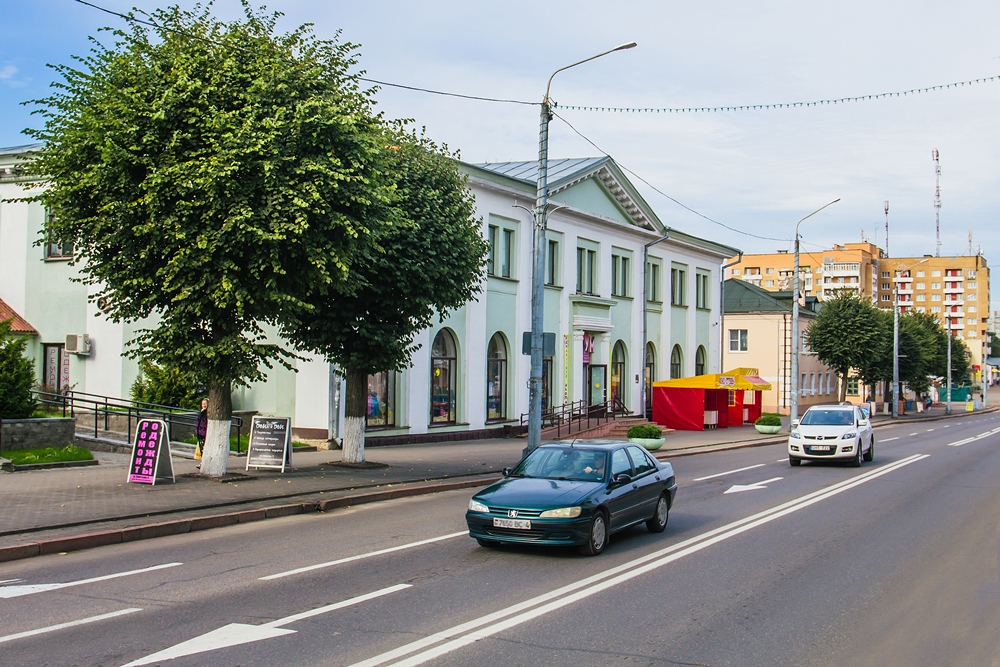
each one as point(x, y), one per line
point(200, 429)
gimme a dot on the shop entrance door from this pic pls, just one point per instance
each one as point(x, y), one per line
point(597, 387)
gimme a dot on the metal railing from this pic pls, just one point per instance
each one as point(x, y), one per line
point(575, 413)
point(104, 408)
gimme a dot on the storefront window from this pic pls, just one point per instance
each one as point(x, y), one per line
point(649, 375)
point(381, 400)
point(444, 363)
point(546, 384)
point(618, 375)
point(496, 379)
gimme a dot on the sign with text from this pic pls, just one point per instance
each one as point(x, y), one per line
point(727, 381)
point(270, 443)
point(151, 453)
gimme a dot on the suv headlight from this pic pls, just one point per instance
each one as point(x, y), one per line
point(848, 436)
point(794, 434)
point(561, 513)
point(476, 506)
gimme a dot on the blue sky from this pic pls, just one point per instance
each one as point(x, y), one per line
point(759, 171)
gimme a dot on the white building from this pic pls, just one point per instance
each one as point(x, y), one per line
point(468, 374)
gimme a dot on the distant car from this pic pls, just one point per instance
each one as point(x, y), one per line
point(831, 432)
point(574, 494)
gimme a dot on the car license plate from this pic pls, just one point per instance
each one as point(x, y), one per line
point(821, 448)
point(520, 524)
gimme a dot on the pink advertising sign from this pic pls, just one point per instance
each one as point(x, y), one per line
point(150, 453)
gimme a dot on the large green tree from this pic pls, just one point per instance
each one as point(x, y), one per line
point(17, 375)
point(212, 175)
point(429, 261)
point(846, 331)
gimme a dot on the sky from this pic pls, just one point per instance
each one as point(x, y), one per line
point(756, 171)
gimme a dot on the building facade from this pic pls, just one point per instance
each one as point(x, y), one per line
point(629, 301)
point(759, 335)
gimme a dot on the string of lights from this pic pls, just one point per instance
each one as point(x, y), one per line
point(781, 105)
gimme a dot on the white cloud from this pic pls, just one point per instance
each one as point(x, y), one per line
point(7, 76)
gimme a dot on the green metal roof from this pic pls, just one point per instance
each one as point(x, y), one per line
point(744, 297)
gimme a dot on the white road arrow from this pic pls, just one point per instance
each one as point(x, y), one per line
point(30, 589)
point(235, 634)
point(736, 488)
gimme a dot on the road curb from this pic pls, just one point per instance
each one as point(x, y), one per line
point(181, 526)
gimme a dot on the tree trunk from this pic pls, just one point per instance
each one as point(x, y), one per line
point(355, 410)
point(215, 455)
point(843, 386)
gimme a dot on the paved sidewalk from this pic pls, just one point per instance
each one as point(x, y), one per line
point(48, 504)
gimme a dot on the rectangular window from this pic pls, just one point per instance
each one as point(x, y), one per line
point(552, 263)
point(970, 274)
point(935, 297)
point(737, 340)
point(920, 274)
point(921, 297)
point(935, 285)
point(970, 285)
point(885, 286)
point(852, 387)
point(619, 275)
point(677, 277)
point(768, 283)
point(968, 297)
point(935, 274)
point(491, 258)
point(736, 272)
point(701, 290)
point(921, 309)
point(885, 297)
point(769, 271)
point(653, 285)
point(586, 270)
point(935, 309)
point(971, 309)
point(921, 285)
point(885, 274)
point(507, 255)
point(58, 250)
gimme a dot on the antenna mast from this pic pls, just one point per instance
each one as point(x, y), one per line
point(937, 200)
point(886, 227)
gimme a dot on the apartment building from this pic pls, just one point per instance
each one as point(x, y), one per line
point(823, 274)
point(956, 289)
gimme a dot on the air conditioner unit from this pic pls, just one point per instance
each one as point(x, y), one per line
point(78, 344)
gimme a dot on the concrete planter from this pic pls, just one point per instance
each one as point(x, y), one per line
point(652, 444)
point(769, 430)
point(33, 433)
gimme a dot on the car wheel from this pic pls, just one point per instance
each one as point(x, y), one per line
point(658, 522)
point(870, 455)
point(793, 461)
point(856, 461)
point(597, 537)
point(487, 544)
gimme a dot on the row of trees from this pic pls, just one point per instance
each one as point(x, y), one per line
point(851, 334)
point(233, 183)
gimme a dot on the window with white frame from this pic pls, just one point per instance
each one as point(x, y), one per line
point(678, 280)
point(620, 265)
point(702, 290)
point(586, 269)
point(737, 340)
point(653, 281)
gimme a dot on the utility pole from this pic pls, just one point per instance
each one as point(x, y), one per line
point(947, 406)
point(796, 346)
point(538, 260)
point(895, 346)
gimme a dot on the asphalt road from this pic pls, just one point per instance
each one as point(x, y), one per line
point(894, 563)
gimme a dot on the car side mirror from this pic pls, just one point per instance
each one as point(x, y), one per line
point(863, 422)
point(795, 423)
point(623, 478)
point(506, 472)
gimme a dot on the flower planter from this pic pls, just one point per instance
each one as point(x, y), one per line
point(652, 444)
point(770, 430)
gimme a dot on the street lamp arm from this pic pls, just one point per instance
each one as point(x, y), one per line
point(548, 88)
point(812, 214)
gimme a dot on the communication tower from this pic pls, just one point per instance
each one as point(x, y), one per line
point(937, 200)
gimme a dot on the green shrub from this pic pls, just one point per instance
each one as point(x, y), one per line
point(17, 376)
point(768, 420)
point(645, 431)
point(166, 386)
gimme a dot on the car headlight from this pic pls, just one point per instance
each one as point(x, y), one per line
point(476, 506)
point(561, 513)
point(849, 436)
point(795, 434)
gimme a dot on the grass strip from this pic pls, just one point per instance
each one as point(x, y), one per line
point(47, 455)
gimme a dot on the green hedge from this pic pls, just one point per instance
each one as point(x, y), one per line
point(768, 420)
point(47, 455)
point(644, 431)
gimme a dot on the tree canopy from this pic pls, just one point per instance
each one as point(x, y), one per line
point(212, 175)
point(17, 375)
point(845, 333)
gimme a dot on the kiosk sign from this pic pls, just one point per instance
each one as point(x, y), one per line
point(727, 381)
point(270, 443)
point(151, 453)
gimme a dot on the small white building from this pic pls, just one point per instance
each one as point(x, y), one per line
point(468, 375)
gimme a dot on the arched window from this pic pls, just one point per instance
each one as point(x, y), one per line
point(496, 378)
point(649, 374)
point(444, 367)
point(618, 375)
point(676, 362)
point(700, 360)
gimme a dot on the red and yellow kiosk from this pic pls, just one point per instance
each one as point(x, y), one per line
point(718, 400)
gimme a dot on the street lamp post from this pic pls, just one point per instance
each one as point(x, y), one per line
point(947, 405)
point(794, 412)
point(538, 260)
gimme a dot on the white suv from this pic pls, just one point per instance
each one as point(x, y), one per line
point(831, 432)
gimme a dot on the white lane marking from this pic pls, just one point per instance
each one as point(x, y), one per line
point(913, 434)
point(945, 426)
point(929, 430)
point(29, 589)
point(10, 581)
point(235, 634)
point(349, 559)
point(737, 488)
point(966, 441)
point(729, 472)
point(624, 570)
point(70, 624)
point(784, 460)
point(889, 439)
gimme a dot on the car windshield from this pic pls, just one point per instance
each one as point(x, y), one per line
point(832, 417)
point(563, 463)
